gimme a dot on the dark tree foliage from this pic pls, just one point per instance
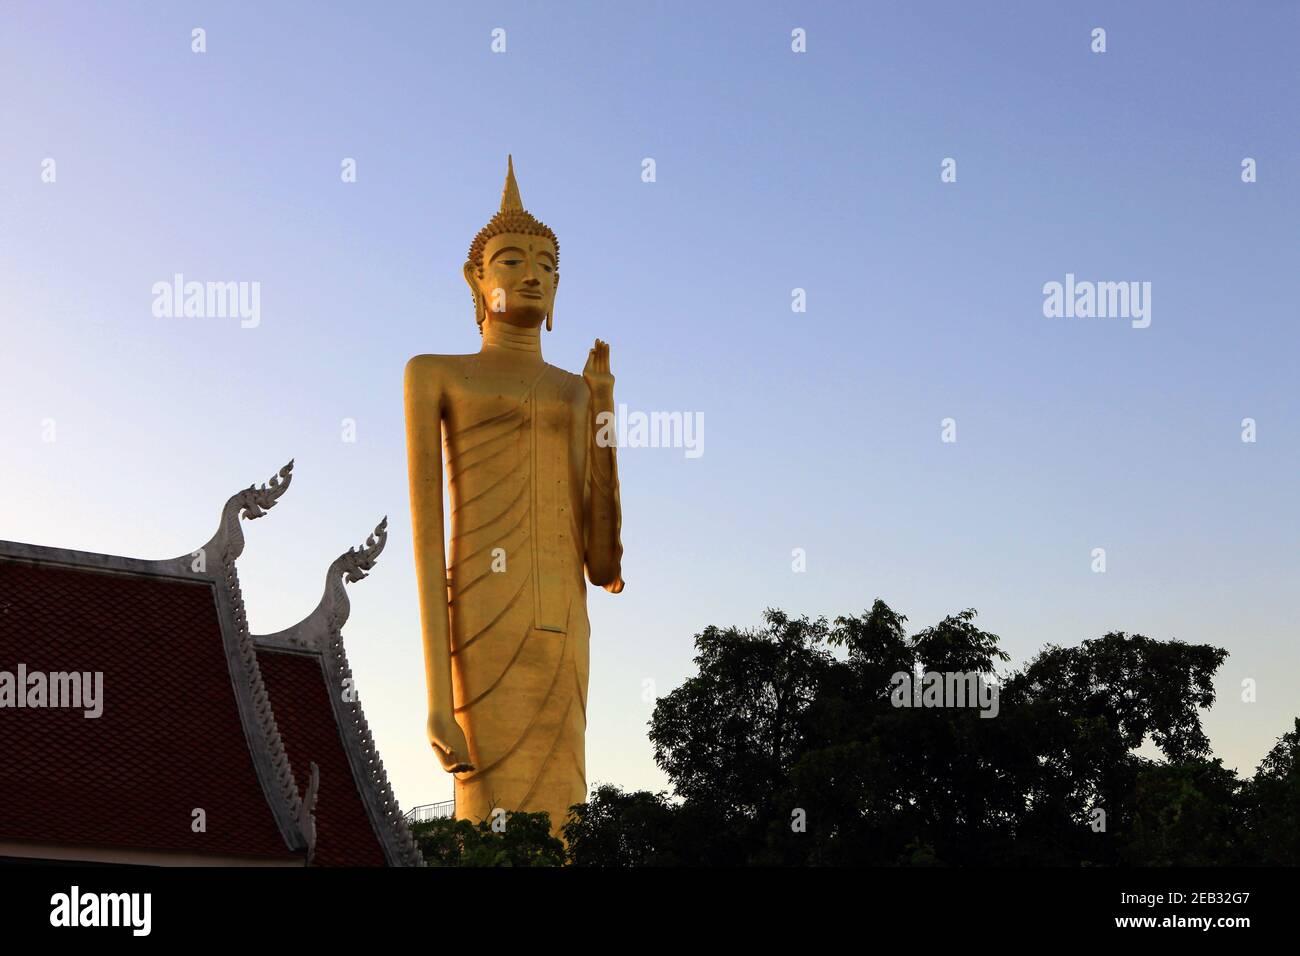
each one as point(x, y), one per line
point(729, 736)
point(789, 746)
point(1272, 804)
point(614, 828)
point(524, 840)
point(785, 748)
point(1185, 814)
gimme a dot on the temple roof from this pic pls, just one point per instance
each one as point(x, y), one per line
point(212, 746)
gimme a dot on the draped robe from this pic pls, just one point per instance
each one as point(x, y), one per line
point(518, 470)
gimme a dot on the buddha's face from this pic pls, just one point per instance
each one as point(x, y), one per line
point(519, 279)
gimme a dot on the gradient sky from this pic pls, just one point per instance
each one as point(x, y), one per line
point(775, 171)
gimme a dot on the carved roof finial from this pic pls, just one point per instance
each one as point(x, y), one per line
point(332, 612)
point(256, 501)
point(307, 814)
point(355, 562)
point(251, 503)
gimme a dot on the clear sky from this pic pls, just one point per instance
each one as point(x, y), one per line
point(775, 171)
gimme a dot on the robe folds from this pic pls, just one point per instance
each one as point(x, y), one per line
point(518, 470)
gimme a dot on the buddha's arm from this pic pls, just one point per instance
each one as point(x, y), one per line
point(424, 403)
point(604, 508)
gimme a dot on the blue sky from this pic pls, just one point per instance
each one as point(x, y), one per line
point(775, 170)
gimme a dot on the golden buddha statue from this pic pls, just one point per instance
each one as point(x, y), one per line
point(534, 501)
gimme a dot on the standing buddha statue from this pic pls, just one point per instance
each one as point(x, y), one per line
point(534, 502)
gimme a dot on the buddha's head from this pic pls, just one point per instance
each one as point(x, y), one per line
point(513, 265)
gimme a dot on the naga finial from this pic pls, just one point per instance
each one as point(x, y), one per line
point(251, 503)
point(355, 562)
point(255, 501)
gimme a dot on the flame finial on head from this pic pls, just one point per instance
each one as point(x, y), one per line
point(511, 217)
point(510, 201)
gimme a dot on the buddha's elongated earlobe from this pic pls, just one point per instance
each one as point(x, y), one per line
point(480, 307)
point(550, 314)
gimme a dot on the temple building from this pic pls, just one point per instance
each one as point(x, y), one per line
point(142, 723)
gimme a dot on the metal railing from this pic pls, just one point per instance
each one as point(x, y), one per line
point(431, 811)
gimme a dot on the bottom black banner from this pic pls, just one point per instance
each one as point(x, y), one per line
point(245, 904)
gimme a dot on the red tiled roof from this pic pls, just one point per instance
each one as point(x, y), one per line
point(300, 698)
point(169, 739)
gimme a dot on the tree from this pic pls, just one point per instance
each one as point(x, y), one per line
point(786, 747)
point(620, 829)
point(794, 719)
point(1272, 804)
point(524, 840)
point(1083, 712)
point(728, 737)
point(1185, 814)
